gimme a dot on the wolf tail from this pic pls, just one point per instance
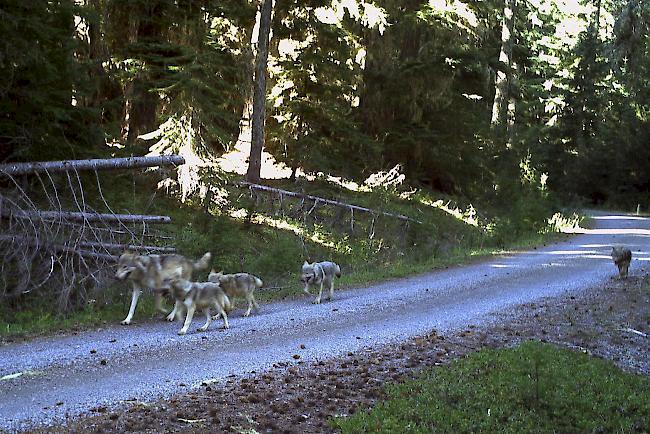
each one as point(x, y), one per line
point(258, 281)
point(338, 270)
point(204, 262)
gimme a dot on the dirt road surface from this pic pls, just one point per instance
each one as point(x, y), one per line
point(49, 379)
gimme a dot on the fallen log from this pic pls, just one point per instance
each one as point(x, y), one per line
point(91, 164)
point(58, 247)
point(317, 199)
point(86, 216)
point(114, 247)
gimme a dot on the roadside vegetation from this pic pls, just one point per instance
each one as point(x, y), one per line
point(534, 387)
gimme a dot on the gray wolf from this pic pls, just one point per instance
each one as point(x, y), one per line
point(319, 274)
point(150, 271)
point(199, 295)
point(238, 285)
point(622, 256)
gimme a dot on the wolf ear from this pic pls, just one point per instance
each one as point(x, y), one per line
point(305, 263)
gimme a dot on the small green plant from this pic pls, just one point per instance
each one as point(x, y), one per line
point(532, 388)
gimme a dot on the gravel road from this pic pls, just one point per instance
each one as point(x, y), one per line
point(48, 379)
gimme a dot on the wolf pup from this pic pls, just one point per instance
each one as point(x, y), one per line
point(199, 295)
point(150, 271)
point(319, 274)
point(622, 256)
point(238, 285)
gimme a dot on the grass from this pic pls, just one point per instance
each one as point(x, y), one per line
point(272, 244)
point(531, 388)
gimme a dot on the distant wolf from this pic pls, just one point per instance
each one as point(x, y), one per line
point(238, 285)
point(150, 271)
point(202, 296)
point(622, 256)
point(319, 274)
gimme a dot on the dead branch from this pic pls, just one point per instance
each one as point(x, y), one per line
point(316, 199)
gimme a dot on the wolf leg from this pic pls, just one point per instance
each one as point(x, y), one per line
point(188, 319)
point(320, 292)
point(221, 311)
point(249, 299)
point(255, 305)
point(158, 300)
point(134, 302)
point(172, 315)
point(208, 320)
point(331, 290)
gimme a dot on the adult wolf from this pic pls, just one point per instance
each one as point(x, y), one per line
point(150, 271)
point(319, 274)
point(622, 256)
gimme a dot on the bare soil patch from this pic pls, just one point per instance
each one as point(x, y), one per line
point(612, 322)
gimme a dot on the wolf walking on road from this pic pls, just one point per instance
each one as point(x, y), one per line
point(319, 274)
point(622, 256)
point(150, 272)
point(238, 285)
point(202, 296)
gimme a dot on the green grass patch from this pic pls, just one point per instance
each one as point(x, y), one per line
point(534, 387)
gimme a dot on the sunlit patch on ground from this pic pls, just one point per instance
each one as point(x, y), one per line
point(467, 216)
point(315, 236)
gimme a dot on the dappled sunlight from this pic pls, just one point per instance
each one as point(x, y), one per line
point(618, 217)
point(282, 224)
point(468, 216)
point(621, 231)
point(236, 161)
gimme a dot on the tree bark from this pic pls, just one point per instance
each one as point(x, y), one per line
point(259, 93)
point(503, 78)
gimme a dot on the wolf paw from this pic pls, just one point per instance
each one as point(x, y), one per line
point(125, 322)
point(170, 317)
point(316, 302)
point(181, 332)
point(201, 329)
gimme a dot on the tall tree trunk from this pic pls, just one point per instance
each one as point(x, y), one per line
point(587, 68)
point(503, 78)
point(259, 93)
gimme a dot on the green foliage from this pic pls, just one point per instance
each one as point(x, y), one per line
point(310, 121)
point(42, 84)
point(532, 388)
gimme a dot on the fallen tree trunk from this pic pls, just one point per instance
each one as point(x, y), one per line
point(317, 200)
point(59, 247)
point(121, 247)
point(87, 216)
point(92, 164)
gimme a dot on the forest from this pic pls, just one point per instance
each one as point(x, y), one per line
point(490, 100)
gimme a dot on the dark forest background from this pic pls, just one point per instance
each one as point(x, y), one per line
point(491, 99)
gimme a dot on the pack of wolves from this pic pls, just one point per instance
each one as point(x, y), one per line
point(172, 275)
